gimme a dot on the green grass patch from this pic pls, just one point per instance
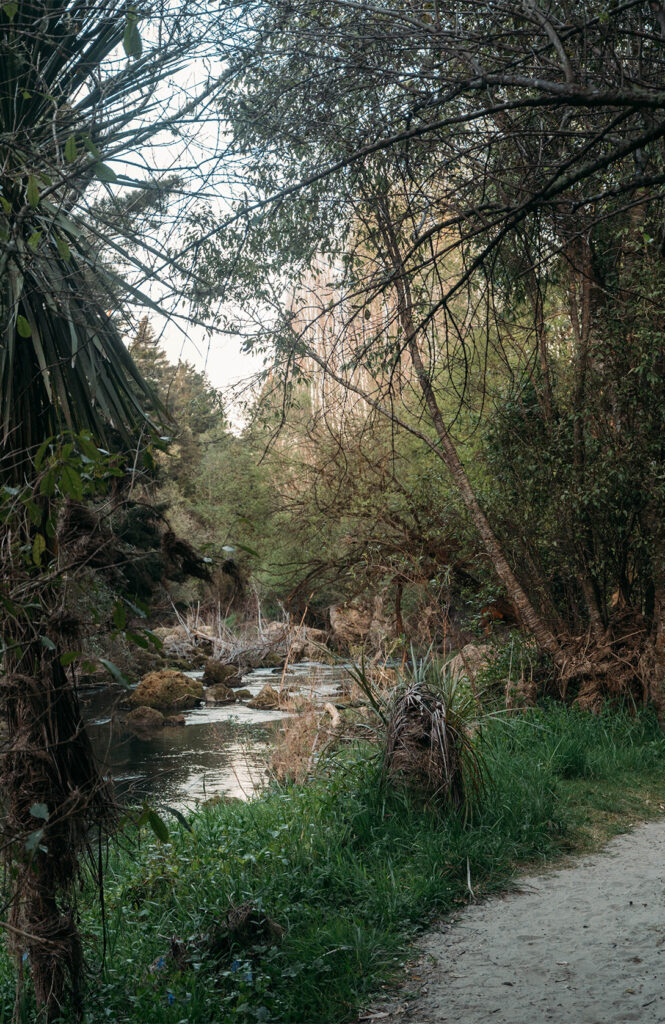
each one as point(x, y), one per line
point(351, 871)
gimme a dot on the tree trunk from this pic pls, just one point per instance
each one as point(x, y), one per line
point(53, 796)
point(448, 454)
point(582, 532)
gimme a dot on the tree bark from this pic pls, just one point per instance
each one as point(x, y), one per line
point(581, 269)
point(53, 794)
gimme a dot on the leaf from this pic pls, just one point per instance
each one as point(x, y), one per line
point(180, 817)
point(88, 448)
point(34, 512)
point(158, 826)
point(32, 191)
point(137, 639)
point(41, 452)
point(47, 643)
point(47, 483)
point(63, 249)
point(154, 639)
point(141, 612)
point(71, 484)
point(33, 840)
point(105, 173)
point(119, 615)
point(23, 327)
point(115, 672)
point(9, 606)
point(10, 9)
point(69, 657)
point(33, 241)
point(38, 548)
point(92, 148)
point(71, 150)
point(250, 551)
point(6, 205)
point(39, 811)
point(131, 40)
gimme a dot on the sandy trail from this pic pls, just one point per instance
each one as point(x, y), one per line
point(581, 945)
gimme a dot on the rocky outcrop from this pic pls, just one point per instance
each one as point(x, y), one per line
point(216, 673)
point(167, 691)
point(360, 623)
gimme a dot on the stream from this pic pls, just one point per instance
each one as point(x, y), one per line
point(220, 750)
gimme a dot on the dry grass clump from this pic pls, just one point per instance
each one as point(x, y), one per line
point(303, 741)
point(291, 759)
point(429, 746)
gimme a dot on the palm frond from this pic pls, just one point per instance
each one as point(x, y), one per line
point(70, 99)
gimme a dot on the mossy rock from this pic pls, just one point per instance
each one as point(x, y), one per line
point(215, 673)
point(220, 694)
point(243, 694)
point(167, 691)
point(144, 720)
point(266, 700)
point(272, 660)
point(174, 720)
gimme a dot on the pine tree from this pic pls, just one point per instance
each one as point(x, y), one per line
point(150, 357)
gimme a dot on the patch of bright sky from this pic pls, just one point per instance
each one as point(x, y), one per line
point(197, 155)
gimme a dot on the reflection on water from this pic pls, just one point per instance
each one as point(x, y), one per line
point(220, 750)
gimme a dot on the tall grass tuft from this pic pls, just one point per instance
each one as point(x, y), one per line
point(430, 747)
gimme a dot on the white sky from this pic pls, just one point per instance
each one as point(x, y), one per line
point(219, 356)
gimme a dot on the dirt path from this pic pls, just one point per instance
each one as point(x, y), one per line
point(581, 945)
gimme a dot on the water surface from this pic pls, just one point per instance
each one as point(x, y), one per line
point(220, 750)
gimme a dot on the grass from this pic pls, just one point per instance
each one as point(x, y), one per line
point(351, 870)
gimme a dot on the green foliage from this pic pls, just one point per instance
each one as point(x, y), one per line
point(350, 869)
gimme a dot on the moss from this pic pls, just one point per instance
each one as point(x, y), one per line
point(167, 690)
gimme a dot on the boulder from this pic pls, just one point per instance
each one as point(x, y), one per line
point(271, 660)
point(471, 660)
point(360, 622)
point(174, 720)
point(167, 691)
point(266, 700)
point(242, 694)
point(144, 720)
point(219, 694)
point(215, 673)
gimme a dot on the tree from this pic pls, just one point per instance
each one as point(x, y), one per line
point(151, 359)
point(82, 86)
point(462, 165)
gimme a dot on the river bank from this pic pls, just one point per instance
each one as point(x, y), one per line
point(298, 906)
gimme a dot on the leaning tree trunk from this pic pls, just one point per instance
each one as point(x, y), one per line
point(447, 451)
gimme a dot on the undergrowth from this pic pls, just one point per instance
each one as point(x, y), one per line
point(350, 869)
